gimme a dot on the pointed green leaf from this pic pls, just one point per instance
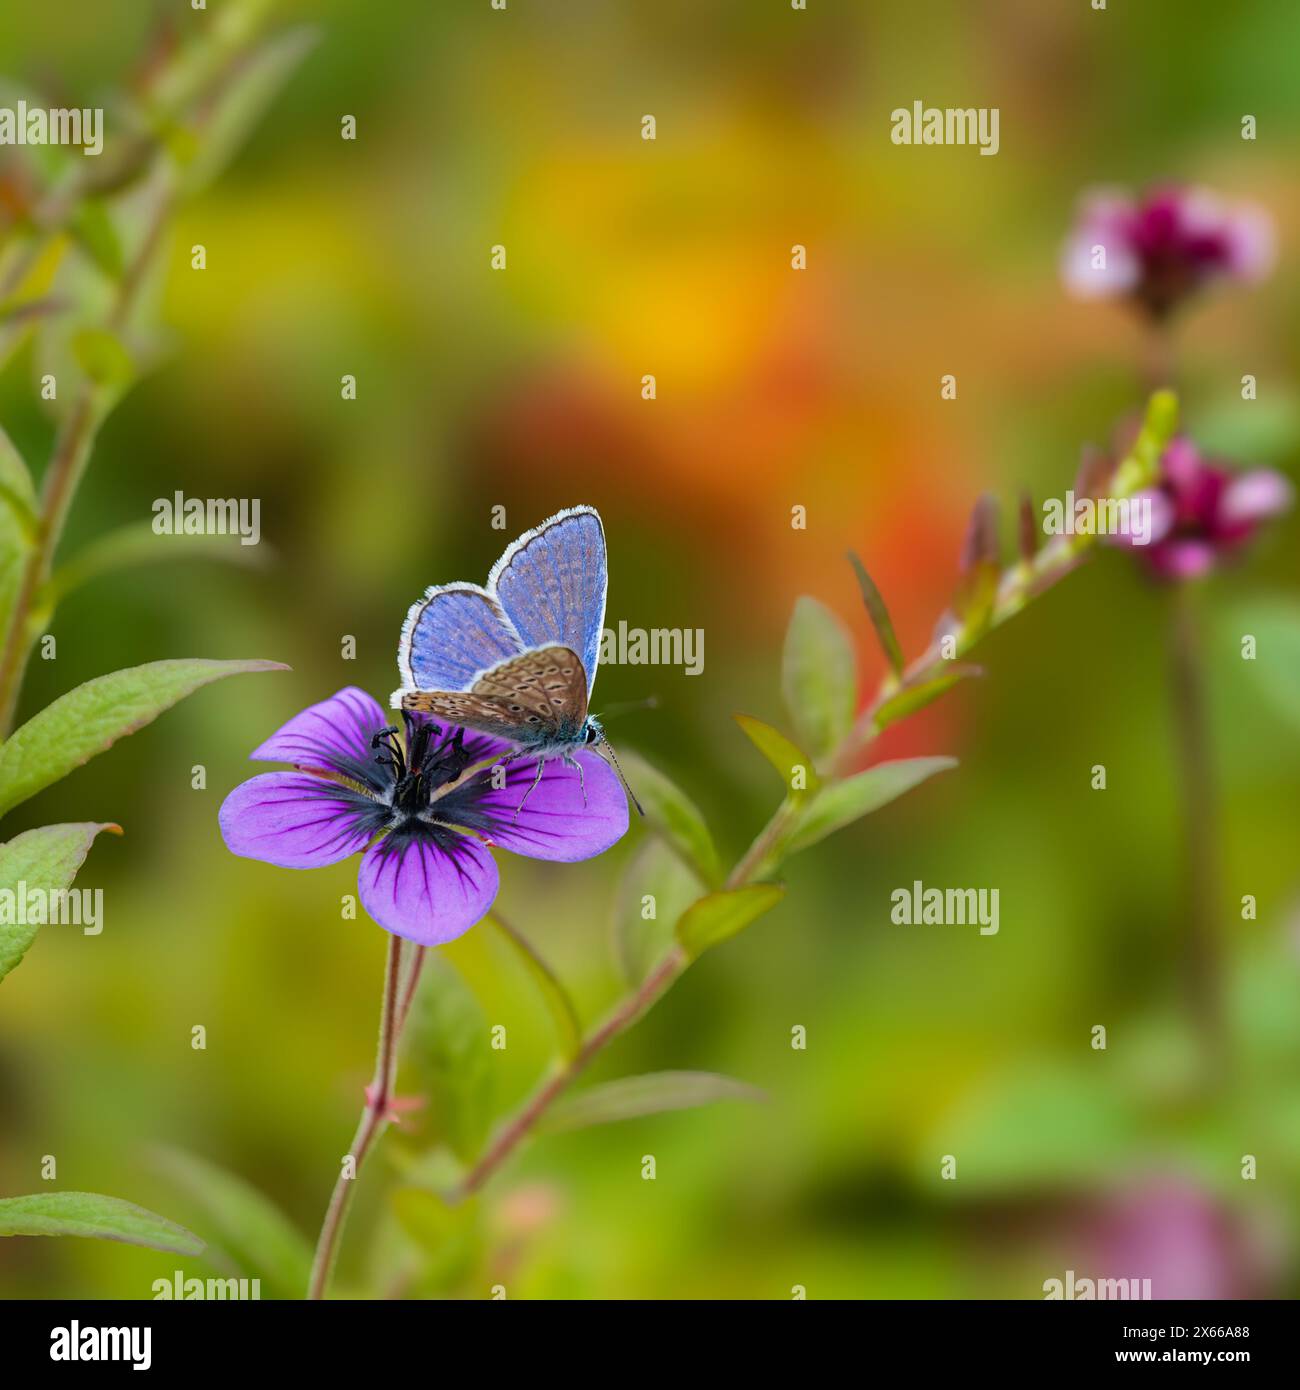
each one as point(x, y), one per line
point(980, 569)
point(46, 859)
point(879, 615)
point(138, 544)
point(17, 494)
point(719, 916)
point(89, 1214)
point(449, 1235)
point(1141, 465)
point(655, 881)
point(103, 357)
point(241, 105)
point(675, 816)
point(448, 1042)
point(911, 698)
point(94, 716)
point(14, 472)
point(554, 995)
point(819, 677)
point(1027, 528)
point(94, 229)
point(18, 528)
point(248, 1225)
point(792, 764)
point(844, 802)
point(652, 1094)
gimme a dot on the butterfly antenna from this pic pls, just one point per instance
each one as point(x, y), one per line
point(640, 810)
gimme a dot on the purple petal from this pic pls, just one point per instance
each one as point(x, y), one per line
point(292, 820)
point(1182, 559)
point(338, 728)
point(1252, 243)
point(1255, 496)
point(554, 822)
point(1085, 280)
point(425, 892)
point(1148, 526)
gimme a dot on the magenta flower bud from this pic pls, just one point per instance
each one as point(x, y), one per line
point(1203, 511)
point(1159, 250)
point(1172, 1240)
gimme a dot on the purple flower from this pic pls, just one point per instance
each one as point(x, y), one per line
point(1202, 511)
point(424, 808)
point(1161, 249)
point(1185, 1241)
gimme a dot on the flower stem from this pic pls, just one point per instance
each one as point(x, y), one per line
point(1202, 968)
point(375, 1115)
point(1020, 585)
point(59, 487)
point(517, 1129)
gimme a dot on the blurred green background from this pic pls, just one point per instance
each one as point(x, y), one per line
point(775, 388)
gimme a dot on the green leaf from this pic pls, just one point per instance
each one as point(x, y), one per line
point(720, 916)
point(787, 758)
point(981, 568)
point(819, 677)
point(1274, 622)
point(241, 106)
point(249, 1226)
point(672, 814)
point(448, 1042)
point(138, 544)
point(103, 357)
point(879, 615)
point(654, 872)
point(1040, 1127)
point(16, 489)
point(556, 997)
point(1141, 465)
point(94, 716)
point(844, 802)
point(89, 1214)
point(911, 698)
point(94, 229)
point(18, 528)
point(651, 1094)
point(450, 1235)
point(46, 859)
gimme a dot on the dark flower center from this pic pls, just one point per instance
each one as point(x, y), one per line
point(426, 762)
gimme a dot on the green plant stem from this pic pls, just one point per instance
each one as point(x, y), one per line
point(1053, 564)
point(519, 1126)
point(203, 87)
point(1020, 584)
point(1202, 963)
point(766, 844)
point(62, 478)
point(375, 1117)
point(66, 467)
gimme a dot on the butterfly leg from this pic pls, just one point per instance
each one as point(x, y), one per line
point(541, 767)
point(582, 777)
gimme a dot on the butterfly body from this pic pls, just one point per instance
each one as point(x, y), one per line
point(516, 659)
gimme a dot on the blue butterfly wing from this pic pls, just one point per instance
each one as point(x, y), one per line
point(551, 585)
point(455, 632)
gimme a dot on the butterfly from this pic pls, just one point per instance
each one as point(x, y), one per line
point(517, 659)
